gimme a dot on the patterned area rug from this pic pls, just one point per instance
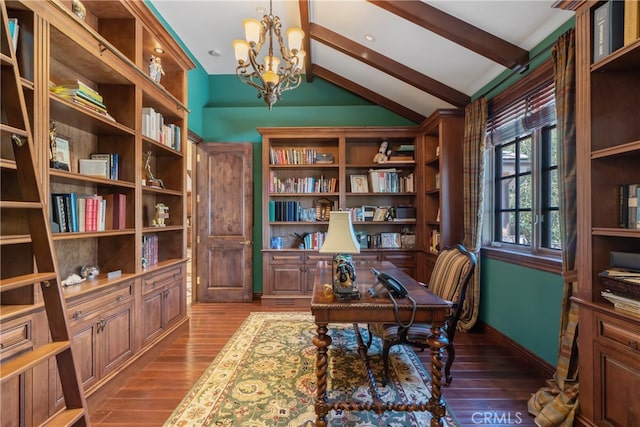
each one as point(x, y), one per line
point(265, 376)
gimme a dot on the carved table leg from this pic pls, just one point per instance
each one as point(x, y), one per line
point(322, 341)
point(436, 404)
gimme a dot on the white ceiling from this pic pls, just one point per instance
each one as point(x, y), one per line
point(212, 25)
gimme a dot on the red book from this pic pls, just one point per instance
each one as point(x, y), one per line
point(120, 212)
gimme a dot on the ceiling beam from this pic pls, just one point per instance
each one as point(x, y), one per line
point(388, 65)
point(367, 94)
point(303, 5)
point(458, 31)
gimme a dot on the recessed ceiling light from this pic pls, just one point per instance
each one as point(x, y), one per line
point(159, 50)
point(370, 38)
point(215, 52)
point(261, 10)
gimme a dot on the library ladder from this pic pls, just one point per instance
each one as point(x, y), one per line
point(26, 203)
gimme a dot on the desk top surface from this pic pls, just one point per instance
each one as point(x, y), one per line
point(325, 307)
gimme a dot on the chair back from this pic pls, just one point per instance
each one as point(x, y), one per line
point(450, 277)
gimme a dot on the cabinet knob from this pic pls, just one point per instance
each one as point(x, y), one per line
point(77, 314)
point(633, 345)
point(119, 298)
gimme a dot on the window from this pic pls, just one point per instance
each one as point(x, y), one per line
point(522, 134)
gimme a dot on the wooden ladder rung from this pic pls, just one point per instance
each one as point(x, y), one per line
point(12, 204)
point(25, 361)
point(15, 239)
point(67, 417)
point(25, 280)
point(7, 164)
point(8, 130)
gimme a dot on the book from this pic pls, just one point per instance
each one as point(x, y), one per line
point(608, 29)
point(81, 86)
point(14, 30)
point(623, 205)
point(94, 167)
point(632, 198)
point(631, 21)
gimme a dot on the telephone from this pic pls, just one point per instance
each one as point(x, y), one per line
point(388, 282)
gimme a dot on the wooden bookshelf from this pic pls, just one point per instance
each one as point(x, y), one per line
point(108, 51)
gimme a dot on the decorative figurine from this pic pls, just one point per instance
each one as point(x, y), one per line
point(155, 68)
point(148, 178)
point(162, 213)
point(381, 156)
point(78, 8)
point(89, 272)
point(52, 141)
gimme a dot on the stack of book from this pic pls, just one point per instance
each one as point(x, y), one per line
point(404, 153)
point(154, 127)
point(81, 94)
point(622, 289)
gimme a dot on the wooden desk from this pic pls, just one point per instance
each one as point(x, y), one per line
point(430, 309)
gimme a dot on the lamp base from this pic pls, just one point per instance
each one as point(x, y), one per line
point(345, 294)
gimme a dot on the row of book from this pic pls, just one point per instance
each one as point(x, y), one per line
point(154, 127)
point(298, 156)
point(374, 213)
point(72, 212)
point(83, 95)
point(379, 240)
point(390, 181)
point(284, 210)
point(309, 184)
point(149, 250)
point(313, 240)
point(616, 23)
point(629, 195)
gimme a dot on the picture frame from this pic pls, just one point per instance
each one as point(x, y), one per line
point(390, 241)
point(359, 184)
point(62, 153)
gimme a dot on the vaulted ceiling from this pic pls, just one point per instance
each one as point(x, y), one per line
point(411, 57)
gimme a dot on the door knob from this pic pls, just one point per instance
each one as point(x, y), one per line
point(246, 242)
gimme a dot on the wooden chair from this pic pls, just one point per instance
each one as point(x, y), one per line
point(449, 279)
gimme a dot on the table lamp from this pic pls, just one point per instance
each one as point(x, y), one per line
point(341, 241)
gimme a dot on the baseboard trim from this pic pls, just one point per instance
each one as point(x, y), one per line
point(513, 347)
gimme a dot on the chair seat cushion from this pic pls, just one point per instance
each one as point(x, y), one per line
point(389, 332)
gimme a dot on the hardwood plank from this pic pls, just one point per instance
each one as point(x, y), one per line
point(490, 385)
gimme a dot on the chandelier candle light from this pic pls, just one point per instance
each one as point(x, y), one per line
point(341, 241)
point(269, 77)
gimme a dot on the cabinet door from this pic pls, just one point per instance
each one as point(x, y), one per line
point(85, 350)
point(152, 315)
point(287, 279)
point(173, 303)
point(618, 375)
point(115, 337)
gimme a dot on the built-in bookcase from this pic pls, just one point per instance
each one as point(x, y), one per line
point(108, 52)
point(608, 155)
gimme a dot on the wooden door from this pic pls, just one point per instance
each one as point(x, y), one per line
point(224, 222)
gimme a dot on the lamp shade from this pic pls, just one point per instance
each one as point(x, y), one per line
point(241, 49)
point(340, 238)
point(251, 30)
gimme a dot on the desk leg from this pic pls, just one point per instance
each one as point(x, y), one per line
point(436, 404)
point(322, 341)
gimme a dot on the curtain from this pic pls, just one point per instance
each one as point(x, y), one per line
point(475, 131)
point(556, 404)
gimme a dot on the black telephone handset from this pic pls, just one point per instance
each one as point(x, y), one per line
point(390, 283)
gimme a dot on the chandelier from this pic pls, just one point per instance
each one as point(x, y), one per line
point(269, 77)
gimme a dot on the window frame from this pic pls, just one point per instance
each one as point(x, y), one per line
point(533, 256)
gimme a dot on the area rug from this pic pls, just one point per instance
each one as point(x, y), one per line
point(266, 376)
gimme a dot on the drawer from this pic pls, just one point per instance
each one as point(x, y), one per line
point(15, 337)
point(163, 278)
point(618, 332)
point(399, 258)
point(286, 258)
point(100, 301)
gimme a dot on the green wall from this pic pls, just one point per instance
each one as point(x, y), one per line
point(523, 304)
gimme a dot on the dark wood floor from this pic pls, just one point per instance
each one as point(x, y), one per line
point(490, 386)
